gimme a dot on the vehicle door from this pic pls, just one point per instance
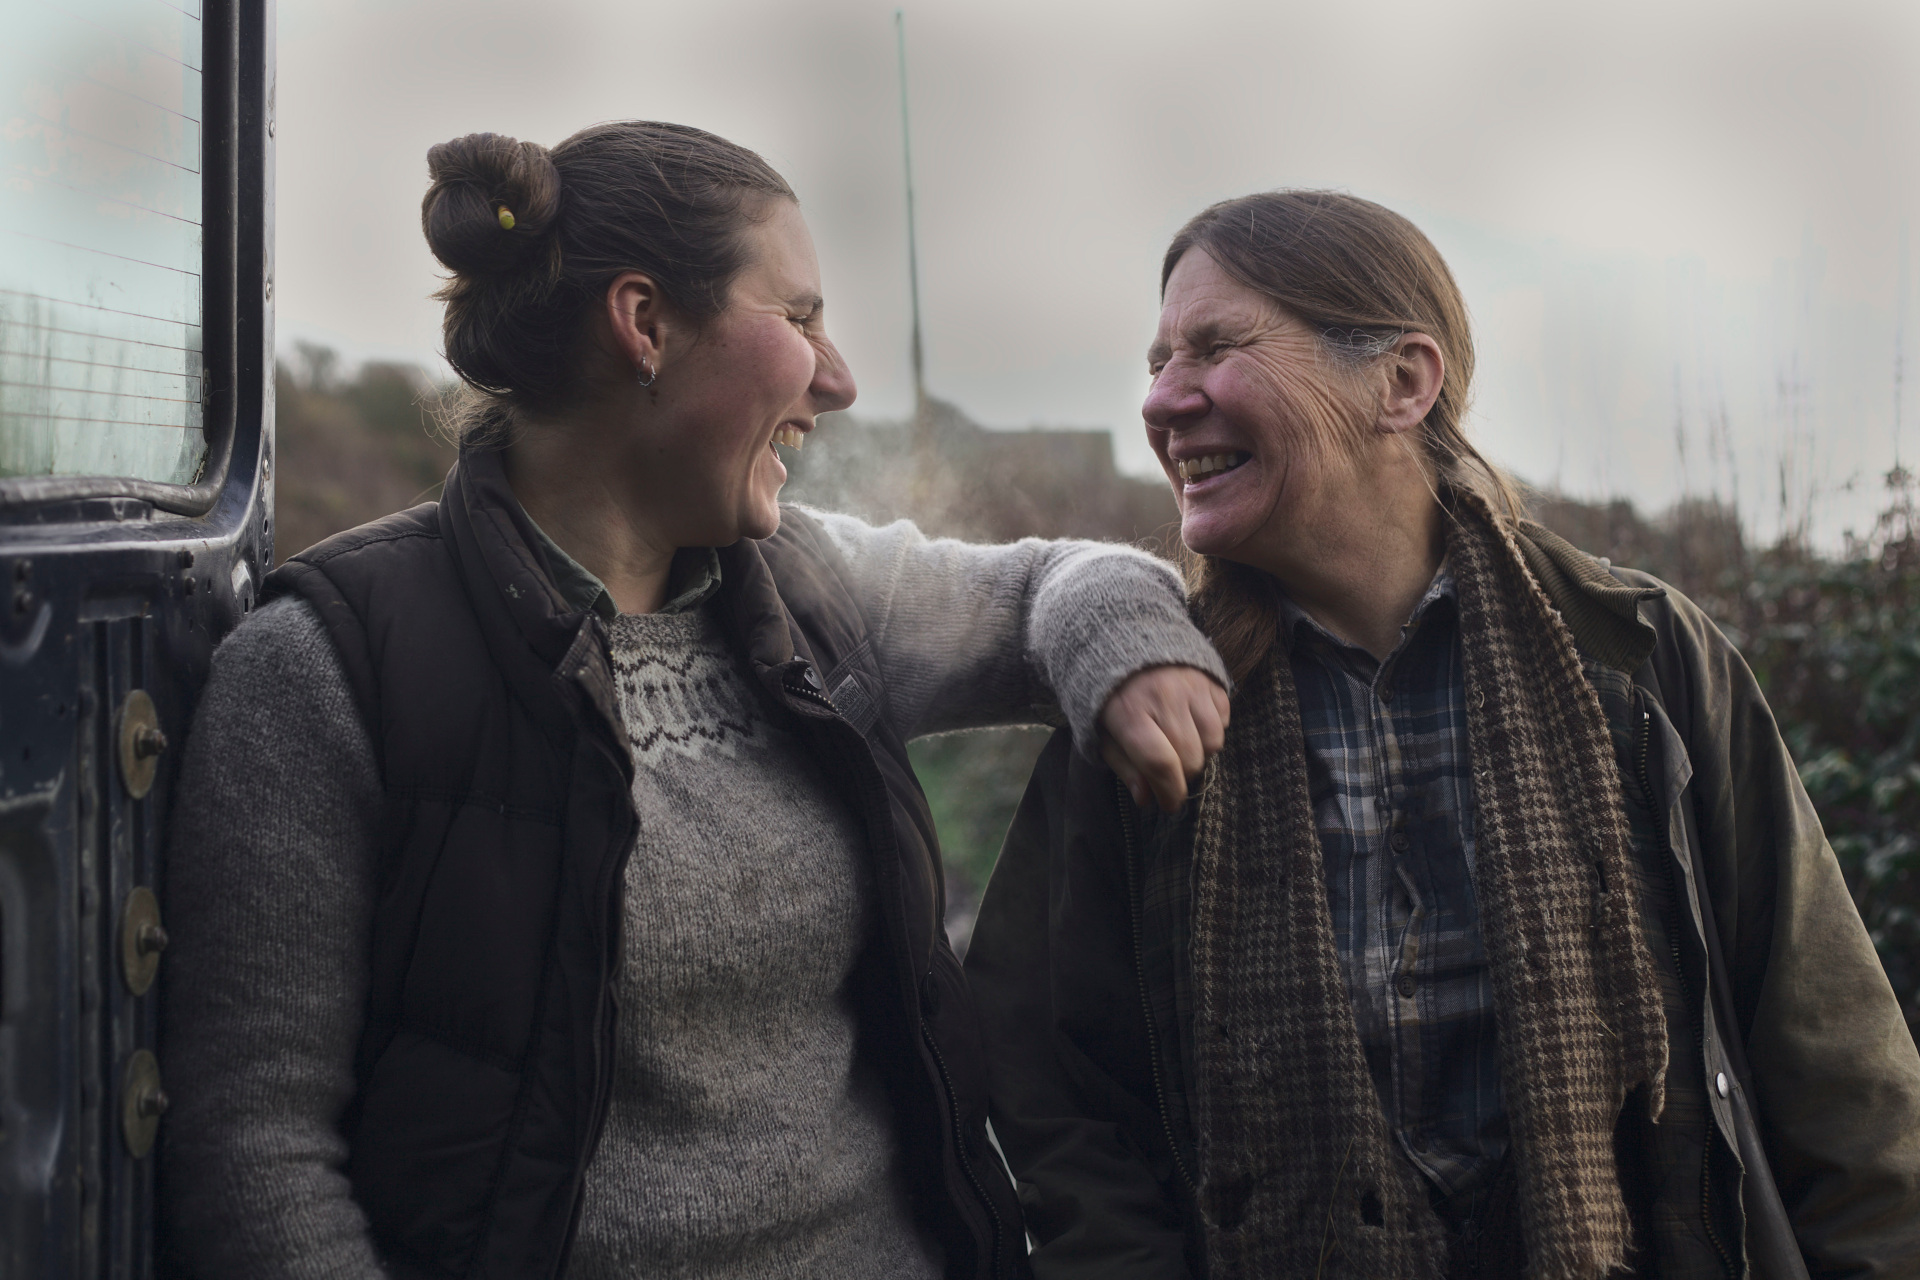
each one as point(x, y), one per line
point(136, 521)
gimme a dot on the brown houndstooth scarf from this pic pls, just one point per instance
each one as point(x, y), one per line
point(1301, 1178)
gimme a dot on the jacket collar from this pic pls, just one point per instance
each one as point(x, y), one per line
point(507, 576)
point(753, 611)
point(1602, 612)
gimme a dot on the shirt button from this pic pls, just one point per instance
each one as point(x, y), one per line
point(1399, 842)
point(1720, 1084)
point(1386, 693)
point(1406, 989)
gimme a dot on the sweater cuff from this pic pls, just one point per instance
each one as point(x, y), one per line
point(1123, 620)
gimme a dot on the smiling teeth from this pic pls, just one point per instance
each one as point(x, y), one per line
point(1192, 469)
point(792, 437)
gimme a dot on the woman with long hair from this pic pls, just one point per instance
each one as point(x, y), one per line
point(1503, 939)
point(552, 889)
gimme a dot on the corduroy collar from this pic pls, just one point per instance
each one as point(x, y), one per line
point(1602, 612)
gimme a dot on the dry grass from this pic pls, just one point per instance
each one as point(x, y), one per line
point(352, 453)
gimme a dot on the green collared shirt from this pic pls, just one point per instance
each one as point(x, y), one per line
point(695, 575)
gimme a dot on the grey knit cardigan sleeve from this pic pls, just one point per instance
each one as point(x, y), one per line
point(270, 882)
point(269, 896)
point(969, 635)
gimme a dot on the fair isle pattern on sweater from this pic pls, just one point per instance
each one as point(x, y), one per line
point(1299, 1175)
point(680, 689)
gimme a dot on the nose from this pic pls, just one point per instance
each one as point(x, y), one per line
point(1175, 399)
point(832, 387)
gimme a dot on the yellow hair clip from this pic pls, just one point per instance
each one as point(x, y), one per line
point(506, 218)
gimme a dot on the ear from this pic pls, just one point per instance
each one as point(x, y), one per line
point(639, 317)
point(1415, 372)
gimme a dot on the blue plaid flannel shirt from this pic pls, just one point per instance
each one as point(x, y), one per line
point(1386, 747)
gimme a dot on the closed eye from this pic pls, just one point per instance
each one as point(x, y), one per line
point(803, 311)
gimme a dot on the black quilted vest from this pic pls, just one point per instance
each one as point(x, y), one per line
point(486, 1061)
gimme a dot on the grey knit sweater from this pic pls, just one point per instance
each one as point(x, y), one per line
point(744, 1139)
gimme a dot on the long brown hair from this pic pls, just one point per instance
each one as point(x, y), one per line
point(533, 238)
point(1360, 276)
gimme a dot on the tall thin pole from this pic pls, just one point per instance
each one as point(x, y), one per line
point(913, 246)
point(1900, 348)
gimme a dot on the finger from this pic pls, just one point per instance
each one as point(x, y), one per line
point(1123, 769)
point(1184, 736)
point(1128, 763)
point(1210, 723)
point(1160, 767)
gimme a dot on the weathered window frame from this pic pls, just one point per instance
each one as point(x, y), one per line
point(237, 288)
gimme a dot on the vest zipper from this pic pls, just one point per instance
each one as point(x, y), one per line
point(1130, 838)
point(810, 695)
point(1675, 897)
point(939, 1062)
point(960, 1144)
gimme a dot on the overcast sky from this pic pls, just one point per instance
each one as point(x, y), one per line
point(1665, 216)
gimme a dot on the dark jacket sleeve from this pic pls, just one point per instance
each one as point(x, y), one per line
point(1095, 1205)
point(1836, 1076)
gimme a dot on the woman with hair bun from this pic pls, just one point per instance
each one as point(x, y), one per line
point(553, 892)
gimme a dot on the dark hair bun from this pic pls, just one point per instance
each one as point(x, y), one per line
point(638, 195)
point(474, 179)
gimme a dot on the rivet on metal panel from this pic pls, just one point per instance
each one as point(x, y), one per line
point(142, 1103)
point(141, 743)
point(242, 582)
point(141, 940)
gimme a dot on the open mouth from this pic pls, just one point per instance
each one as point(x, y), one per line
point(1213, 464)
point(792, 437)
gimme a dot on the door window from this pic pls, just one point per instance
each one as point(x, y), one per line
point(101, 369)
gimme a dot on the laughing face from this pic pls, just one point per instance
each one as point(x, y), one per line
point(1254, 425)
point(753, 382)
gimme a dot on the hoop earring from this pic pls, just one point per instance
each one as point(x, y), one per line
point(644, 375)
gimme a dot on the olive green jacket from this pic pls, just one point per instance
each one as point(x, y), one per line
point(1791, 1141)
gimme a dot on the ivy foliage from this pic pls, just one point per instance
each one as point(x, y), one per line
point(1835, 644)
